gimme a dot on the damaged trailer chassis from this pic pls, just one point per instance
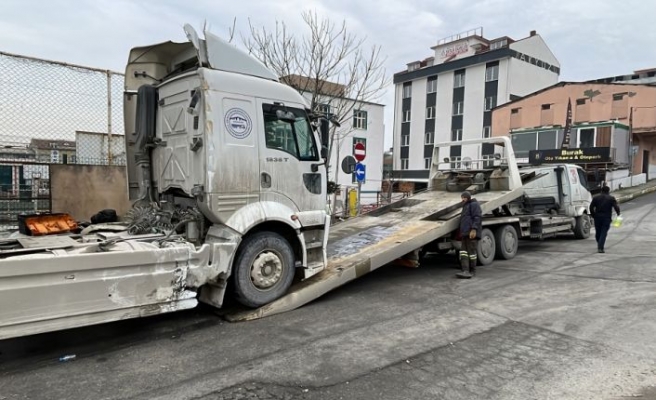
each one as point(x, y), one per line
point(67, 284)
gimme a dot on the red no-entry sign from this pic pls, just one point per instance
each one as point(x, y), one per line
point(359, 152)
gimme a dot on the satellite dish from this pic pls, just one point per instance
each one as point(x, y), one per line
point(466, 162)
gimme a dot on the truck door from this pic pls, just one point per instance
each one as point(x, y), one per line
point(290, 169)
point(575, 185)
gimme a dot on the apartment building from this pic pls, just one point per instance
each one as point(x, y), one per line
point(612, 124)
point(450, 95)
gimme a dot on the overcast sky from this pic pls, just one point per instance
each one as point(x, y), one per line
point(591, 38)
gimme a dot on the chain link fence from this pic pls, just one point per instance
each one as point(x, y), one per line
point(53, 113)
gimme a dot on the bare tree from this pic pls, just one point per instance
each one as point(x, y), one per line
point(328, 64)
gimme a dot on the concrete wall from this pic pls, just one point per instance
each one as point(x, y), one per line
point(620, 179)
point(525, 77)
point(645, 143)
point(83, 190)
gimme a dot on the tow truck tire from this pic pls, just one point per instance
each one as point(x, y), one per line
point(263, 270)
point(582, 227)
point(486, 247)
point(507, 241)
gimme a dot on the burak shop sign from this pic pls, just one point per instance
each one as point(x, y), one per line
point(591, 155)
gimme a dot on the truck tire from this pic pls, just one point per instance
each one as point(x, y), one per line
point(486, 247)
point(263, 270)
point(507, 242)
point(582, 227)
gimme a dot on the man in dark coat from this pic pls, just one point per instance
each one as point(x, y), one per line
point(470, 230)
point(601, 210)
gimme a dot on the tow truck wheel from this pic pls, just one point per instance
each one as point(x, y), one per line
point(582, 227)
point(263, 270)
point(507, 242)
point(486, 247)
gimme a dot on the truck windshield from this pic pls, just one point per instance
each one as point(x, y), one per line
point(295, 138)
point(583, 178)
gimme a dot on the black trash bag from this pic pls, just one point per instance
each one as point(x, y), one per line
point(104, 216)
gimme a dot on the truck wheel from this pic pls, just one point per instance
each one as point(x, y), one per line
point(507, 242)
point(263, 270)
point(486, 247)
point(582, 227)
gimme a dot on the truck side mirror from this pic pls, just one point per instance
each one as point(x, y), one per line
point(324, 132)
point(324, 152)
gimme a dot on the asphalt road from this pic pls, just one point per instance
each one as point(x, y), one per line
point(557, 322)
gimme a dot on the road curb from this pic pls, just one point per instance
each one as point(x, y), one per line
point(628, 197)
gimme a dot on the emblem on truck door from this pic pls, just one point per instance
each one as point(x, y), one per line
point(238, 123)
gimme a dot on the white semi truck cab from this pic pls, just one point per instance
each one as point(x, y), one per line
point(218, 146)
point(227, 178)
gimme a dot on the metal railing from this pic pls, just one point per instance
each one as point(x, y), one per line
point(462, 35)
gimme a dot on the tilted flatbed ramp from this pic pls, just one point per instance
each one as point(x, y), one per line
point(363, 244)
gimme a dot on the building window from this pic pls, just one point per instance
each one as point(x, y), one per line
point(492, 73)
point(456, 135)
point(487, 131)
point(431, 85)
point(430, 112)
point(359, 140)
point(404, 163)
point(407, 90)
point(514, 111)
point(618, 96)
point(499, 44)
point(580, 102)
point(359, 119)
point(54, 156)
point(406, 116)
point(429, 138)
point(455, 162)
point(323, 109)
point(522, 143)
point(490, 102)
point(586, 138)
point(458, 108)
point(546, 106)
point(459, 79)
point(405, 140)
point(427, 162)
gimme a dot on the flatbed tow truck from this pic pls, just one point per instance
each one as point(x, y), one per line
point(228, 188)
point(429, 221)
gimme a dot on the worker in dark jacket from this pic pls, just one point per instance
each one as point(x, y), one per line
point(601, 210)
point(470, 230)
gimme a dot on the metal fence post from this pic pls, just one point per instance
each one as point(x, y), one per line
point(109, 117)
